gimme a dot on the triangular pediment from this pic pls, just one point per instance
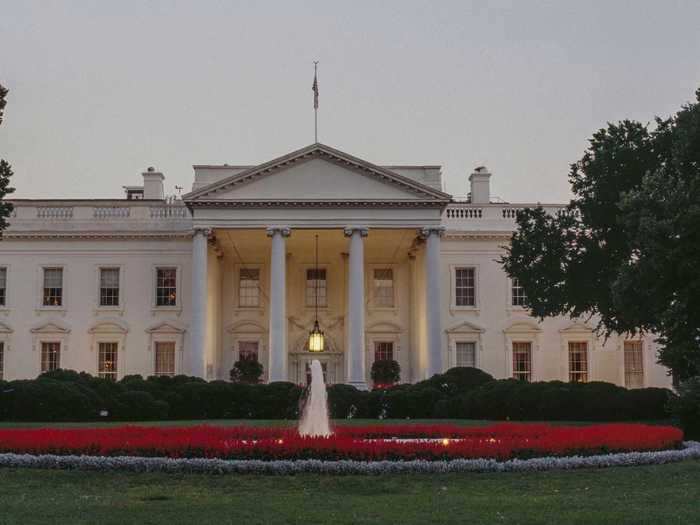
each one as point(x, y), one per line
point(109, 326)
point(316, 173)
point(166, 327)
point(523, 327)
point(50, 327)
point(465, 327)
point(577, 328)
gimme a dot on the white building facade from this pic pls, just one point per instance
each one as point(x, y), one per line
point(148, 285)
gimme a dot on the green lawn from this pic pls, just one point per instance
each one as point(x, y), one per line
point(658, 494)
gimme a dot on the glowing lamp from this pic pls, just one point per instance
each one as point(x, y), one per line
point(316, 339)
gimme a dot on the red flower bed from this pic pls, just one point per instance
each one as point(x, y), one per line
point(375, 442)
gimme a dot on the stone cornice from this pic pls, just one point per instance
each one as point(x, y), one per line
point(317, 204)
point(477, 236)
point(96, 235)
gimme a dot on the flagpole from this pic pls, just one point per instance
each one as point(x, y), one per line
point(315, 101)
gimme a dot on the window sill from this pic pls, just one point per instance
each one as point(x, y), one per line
point(454, 308)
point(157, 309)
point(47, 309)
point(109, 310)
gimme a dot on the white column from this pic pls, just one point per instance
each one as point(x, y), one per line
point(355, 319)
point(433, 300)
point(199, 302)
point(277, 368)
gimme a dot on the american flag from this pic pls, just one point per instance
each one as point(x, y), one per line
point(315, 90)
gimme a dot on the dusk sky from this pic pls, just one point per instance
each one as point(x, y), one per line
point(101, 90)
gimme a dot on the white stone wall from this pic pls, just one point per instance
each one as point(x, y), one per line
point(81, 313)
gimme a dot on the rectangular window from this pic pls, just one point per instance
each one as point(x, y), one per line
point(107, 361)
point(249, 287)
point(166, 287)
point(2, 360)
point(53, 287)
point(3, 286)
point(517, 293)
point(465, 353)
point(383, 351)
point(634, 364)
point(248, 350)
point(316, 277)
point(384, 287)
point(109, 286)
point(50, 356)
point(578, 362)
point(522, 361)
point(165, 358)
point(465, 287)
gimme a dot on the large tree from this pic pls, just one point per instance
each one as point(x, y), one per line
point(5, 171)
point(626, 250)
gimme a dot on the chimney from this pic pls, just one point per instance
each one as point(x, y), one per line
point(479, 182)
point(153, 184)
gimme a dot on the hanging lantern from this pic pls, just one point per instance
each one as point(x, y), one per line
point(317, 341)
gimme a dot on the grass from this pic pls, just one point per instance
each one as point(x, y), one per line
point(655, 494)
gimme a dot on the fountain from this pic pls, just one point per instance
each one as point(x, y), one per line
point(314, 420)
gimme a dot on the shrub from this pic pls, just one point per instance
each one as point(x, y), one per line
point(687, 407)
point(277, 400)
point(346, 401)
point(459, 380)
point(137, 405)
point(385, 372)
point(48, 400)
point(246, 371)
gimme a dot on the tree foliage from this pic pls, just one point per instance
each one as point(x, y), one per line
point(626, 249)
point(5, 171)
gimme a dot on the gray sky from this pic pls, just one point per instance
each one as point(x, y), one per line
point(100, 90)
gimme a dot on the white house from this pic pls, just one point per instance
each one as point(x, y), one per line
point(148, 285)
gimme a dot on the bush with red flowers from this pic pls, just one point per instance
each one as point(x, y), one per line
point(378, 442)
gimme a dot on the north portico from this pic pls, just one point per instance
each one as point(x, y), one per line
point(379, 234)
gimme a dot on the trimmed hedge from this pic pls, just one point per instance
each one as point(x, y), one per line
point(466, 393)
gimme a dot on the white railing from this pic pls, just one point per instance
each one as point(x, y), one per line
point(111, 212)
point(492, 216)
point(54, 212)
point(169, 211)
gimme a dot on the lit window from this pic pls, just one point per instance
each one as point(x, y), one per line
point(517, 293)
point(249, 287)
point(316, 277)
point(383, 351)
point(248, 351)
point(2, 360)
point(165, 358)
point(3, 286)
point(109, 286)
point(634, 364)
point(166, 287)
point(107, 361)
point(465, 288)
point(50, 356)
point(578, 362)
point(384, 287)
point(465, 353)
point(522, 361)
point(53, 287)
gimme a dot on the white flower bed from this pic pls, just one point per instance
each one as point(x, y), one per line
point(690, 450)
